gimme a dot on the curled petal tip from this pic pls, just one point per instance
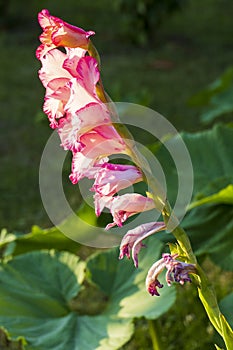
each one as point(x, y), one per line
point(152, 288)
point(133, 238)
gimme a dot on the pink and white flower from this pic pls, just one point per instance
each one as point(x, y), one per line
point(127, 205)
point(92, 148)
point(57, 33)
point(83, 166)
point(86, 118)
point(69, 84)
point(111, 178)
point(132, 240)
point(101, 142)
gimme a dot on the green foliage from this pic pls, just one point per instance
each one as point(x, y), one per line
point(44, 288)
point(217, 347)
point(217, 98)
point(208, 298)
point(224, 196)
point(125, 286)
point(212, 233)
point(15, 244)
point(6, 343)
point(39, 285)
point(226, 306)
point(209, 226)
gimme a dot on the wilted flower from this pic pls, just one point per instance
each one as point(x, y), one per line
point(132, 240)
point(177, 271)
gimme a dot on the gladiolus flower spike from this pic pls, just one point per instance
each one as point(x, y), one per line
point(82, 119)
point(76, 108)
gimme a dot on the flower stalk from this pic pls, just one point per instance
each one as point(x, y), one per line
point(154, 334)
point(89, 126)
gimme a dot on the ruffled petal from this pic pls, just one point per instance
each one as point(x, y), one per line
point(83, 166)
point(52, 67)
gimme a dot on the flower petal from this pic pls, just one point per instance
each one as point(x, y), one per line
point(133, 238)
point(88, 73)
point(122, 207)
point(79, 97)
point(102, 141)
point(85, 119)
point(152, 282)
point(112, 178)
point(60, 33)
point(83, 166)
point(52, 68)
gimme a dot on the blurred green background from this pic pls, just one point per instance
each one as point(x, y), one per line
point(190, 48)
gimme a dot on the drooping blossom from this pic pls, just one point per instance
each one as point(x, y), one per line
point(177, 271)
point(111, 178)
point(58, 33)
point(132, 240)
point(127, 205)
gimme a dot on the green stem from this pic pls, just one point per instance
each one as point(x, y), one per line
point(205, 290)
point(154, 334)
point(94, 53)
point(179, 233)
point(208, 298)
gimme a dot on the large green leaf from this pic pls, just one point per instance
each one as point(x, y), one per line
point(210, 229)
point(224, 196)
point(220, 104)
point(217, 97)
point(40, 284)
point(211, 154)
point(226, 306)
point(35, 293)
point(210, 226)
point(73, 332)
point(52, 238)
point(203, 97)
point(124, 285)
